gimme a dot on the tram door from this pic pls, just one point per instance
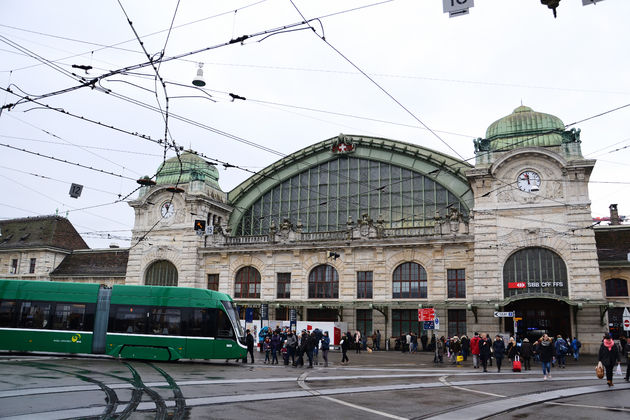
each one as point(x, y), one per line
point(540, 316)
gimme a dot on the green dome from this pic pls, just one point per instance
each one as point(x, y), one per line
point(525, 128)
point(192, 168)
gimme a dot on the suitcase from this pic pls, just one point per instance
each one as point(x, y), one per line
point(516, 364)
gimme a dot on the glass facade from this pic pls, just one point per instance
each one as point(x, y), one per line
point(323, 197)
point(535, 270)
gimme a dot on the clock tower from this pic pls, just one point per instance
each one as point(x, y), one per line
point(535, 250)
point(164, 242)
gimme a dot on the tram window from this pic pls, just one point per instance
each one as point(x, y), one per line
point(166, 321)
point(224, 326)
point(128, 319)
point(8, 310)
point(69, 316)
point(201, 323)
point(35, 315)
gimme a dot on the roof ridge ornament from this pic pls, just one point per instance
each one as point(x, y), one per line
point(343, 144)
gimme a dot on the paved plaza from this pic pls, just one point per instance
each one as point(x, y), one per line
point(372, 386)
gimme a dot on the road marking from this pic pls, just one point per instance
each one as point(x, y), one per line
point(302, 384)
point(445, 382)
point(587, 406)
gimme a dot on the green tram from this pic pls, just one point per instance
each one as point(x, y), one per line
point(133, 322)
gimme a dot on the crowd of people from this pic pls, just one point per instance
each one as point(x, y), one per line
point(294, 348)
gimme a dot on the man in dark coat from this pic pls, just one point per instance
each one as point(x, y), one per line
point(526, 354)
point(484, 350)
point(423, 340)
point(249, 341)
point(498, 347)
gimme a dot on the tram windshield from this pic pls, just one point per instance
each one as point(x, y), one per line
point(232, 312)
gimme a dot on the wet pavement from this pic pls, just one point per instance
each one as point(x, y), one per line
point(373, 386)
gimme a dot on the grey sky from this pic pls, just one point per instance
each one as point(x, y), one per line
point(456, 75)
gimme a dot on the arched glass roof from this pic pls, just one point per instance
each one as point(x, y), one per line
point(321, 188)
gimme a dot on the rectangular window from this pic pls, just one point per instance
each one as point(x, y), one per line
point(31, 268)
point(35, 315)
point(8, 312)
point(456, 283)
point(128, 319)
point(69, 316)
point(14, 266)
point(284, 285)
point(166, 321)
point(364, 321)
point(364, 284)
point(456, 322)
point(213, 282)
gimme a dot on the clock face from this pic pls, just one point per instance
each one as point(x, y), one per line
point(528, 181)
point(167, 210)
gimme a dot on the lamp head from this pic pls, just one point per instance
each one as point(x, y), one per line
point(198, 80)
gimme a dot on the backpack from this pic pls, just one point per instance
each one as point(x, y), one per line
point(562, 347)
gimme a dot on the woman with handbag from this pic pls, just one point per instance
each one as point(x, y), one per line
point(608, 355)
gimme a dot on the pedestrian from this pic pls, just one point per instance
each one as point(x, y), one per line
point(485, 348)
point(608, 355)
point(291, 345)
point(455, 349)
point(441, 346)
point(498, 347)
point(408, 341)
point(325, 348)
point(275, 346)
point(576, 345)
point(249, 342)
point(526, 354)
point(378, 340)
point(465, 346)
point(311, 344)
point(546, 350)
point(474, 350)
point(357, 341)
point(267, 349)
point(345, 343)
point(414, 343)
point(512, 349)
point(562, 348)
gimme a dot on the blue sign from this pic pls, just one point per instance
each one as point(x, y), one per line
point(249, 314)
point(292, 319)
point(429, 325)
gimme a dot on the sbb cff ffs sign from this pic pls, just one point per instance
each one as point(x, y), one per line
point(427, 314)
point(517, 285)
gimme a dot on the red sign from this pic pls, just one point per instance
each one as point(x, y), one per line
point(427, 314)
point(626, 324)
point(517, 285)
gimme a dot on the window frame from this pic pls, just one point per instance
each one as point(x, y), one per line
point(406, 275)
point(213, 282)
point(283, 279)
point(459, 283)
point(323, 282)
point(618, 287)
point(244, 279)
point(365, 284)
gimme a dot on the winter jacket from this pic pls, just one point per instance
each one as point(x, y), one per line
point(546, 351)
point(526, 350)
point(498, 346)
point(609, 357)
point(484, 347)
point(325, 343)
point(291, 341)
point(474, 344)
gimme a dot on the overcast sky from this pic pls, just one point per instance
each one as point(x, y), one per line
point(456, 75)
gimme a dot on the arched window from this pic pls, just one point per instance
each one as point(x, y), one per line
point(535, 270)
point(409, 281)
point(161, 273)
point(247, 283)
point(323, 283)
point(616, 287)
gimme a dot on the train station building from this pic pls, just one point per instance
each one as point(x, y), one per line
point(368, 230)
